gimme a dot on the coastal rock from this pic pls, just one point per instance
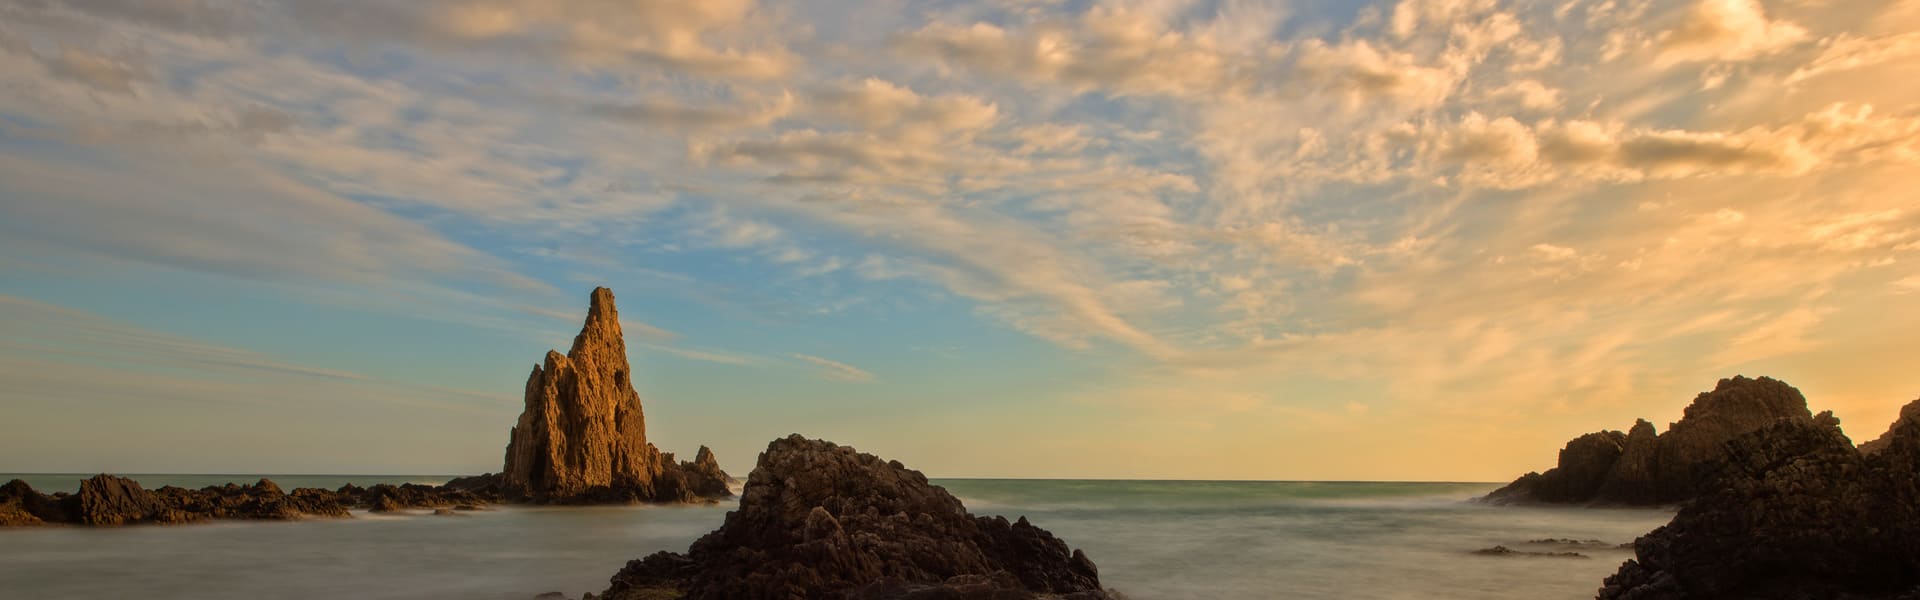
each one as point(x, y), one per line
point(1634, 477)
point(582, 435)
point(1505, 551)
point(705, 477)
point(1908, 414)
point(1642, 467)
point(818, 520)
point(1795, 512)
point(109, 500)
point(21, 505)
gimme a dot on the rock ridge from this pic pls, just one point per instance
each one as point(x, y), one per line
point(108, 500)
point(1642, 467)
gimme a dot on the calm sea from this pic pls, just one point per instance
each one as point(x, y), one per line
point(1153, 540)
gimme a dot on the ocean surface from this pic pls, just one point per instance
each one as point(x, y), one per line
point(1153, 540)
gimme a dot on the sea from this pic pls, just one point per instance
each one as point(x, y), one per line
point(1153, 540)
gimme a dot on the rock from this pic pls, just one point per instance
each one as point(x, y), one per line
point(704, 476)
point(1794, 512)
point(1505, 551)
point(109, 500)
point(1569, 542)
point(1634, 479)
point(445, 512)
point(1642, 467)
point(21, 505)
point(1908, 414)
point(818, 520)
point(582, 436)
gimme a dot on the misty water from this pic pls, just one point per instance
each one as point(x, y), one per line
point(1153, 540)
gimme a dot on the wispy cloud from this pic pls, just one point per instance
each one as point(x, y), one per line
point(834, 370)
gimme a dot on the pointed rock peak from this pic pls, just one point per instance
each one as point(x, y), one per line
point(600, 335)
point(600, 306)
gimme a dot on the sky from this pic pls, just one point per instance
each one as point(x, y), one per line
point(1223, 239)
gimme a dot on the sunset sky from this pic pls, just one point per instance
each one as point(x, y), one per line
point(1416, 240)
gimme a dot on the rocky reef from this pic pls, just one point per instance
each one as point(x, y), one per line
point(1640, 467)
point(110, 500)
point(1793, 511)
point(819, 520)
point(582, 437)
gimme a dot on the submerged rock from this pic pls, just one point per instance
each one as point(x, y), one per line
point(1795, 512)
point(1642, 467)
point(1505, 551)
point(818, 520)
point(582, 436)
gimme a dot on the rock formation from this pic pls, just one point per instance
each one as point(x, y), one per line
point(818, 520)
point(109, 500)
point(1908, 414)
point(583, 437)
point(1794, 511)
point(1641, 467)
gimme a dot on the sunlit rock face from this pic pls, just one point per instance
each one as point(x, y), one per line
point(1642, 467)
point(582, 436)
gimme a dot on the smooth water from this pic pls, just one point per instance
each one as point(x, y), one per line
point(1153, 540)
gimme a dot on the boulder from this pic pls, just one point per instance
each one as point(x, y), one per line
point(819, 520)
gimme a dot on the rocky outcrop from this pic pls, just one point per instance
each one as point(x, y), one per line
point(1793, 512)
point(1642, 467)
point(818, 520)
point(582, 437)
point(1908, 414)
point(110, 500)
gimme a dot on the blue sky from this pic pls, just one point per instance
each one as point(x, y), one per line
point(1423, 239)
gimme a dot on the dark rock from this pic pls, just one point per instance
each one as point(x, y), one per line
point(819, 520)
point(21, 505)
point(1794, 512)
point(1908, 414)
point(1569, 542)
point(109, 500)
point(1642, 467)
point(1505, 551)
point(1634, 479)
point(582, 436)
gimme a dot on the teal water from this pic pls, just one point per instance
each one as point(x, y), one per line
point(1153, 540)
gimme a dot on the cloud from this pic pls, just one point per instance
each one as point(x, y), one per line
point(832, 370)
point(712, 356)
point(1848, 52)
point(101, 72)
point(229, 220)
point(1107, 48)
point(1727, 30)
point(659, 113)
